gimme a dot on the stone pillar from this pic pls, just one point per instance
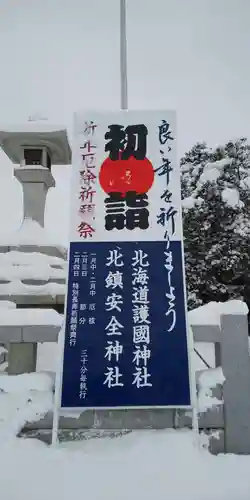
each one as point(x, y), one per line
point(36, 181)
point(22, 358)
point(236, 389)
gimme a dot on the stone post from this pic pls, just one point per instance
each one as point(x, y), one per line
point(22, 358)
point(35, 181)
point(236, 389)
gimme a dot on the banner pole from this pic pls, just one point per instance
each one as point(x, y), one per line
point(123, 56)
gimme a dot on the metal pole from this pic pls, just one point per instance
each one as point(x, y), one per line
point(123, 56)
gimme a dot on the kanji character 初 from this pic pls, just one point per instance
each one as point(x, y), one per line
point(140, 258)
point(85, 230)
point(141, 354)
point(113, 302)
point(164, 132)
point(114, 327)
point(141, 313)
point(114, 280)
point(141, 377)
point(141, 334)
point(114, 258)
point(140, 276)
point(165, 168)
point(126, 143)
point(113, 348)
point(113, 376)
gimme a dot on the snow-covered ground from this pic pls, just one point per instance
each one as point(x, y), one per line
point(141, 465)
point(148, 464)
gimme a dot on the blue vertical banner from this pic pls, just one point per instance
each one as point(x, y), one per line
point(126, 336)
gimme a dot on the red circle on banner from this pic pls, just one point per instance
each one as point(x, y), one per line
point(121, 176)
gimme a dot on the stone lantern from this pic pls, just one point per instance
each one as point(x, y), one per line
point(36, 280)
point(35, 146)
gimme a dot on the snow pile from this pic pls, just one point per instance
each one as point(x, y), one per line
point(213, 170)
point(35, 124)
point(47, 356)
point(17, 269)
point(210, 313)
point(144, 465)
point(242, 225)
point(2, 350)
point(231, 197)
point(23, 398)
point(191, 202)
point(29, 233)
point(245, 183)
point(208, 380)
point(30, 317)
point(7, 304)
point(233, 307)
point(18, 288)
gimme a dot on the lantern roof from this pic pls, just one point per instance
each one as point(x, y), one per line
point(37, 133)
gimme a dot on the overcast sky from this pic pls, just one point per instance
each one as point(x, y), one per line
point(191, 55)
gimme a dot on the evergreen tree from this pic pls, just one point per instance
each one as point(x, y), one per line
point(216, 222)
